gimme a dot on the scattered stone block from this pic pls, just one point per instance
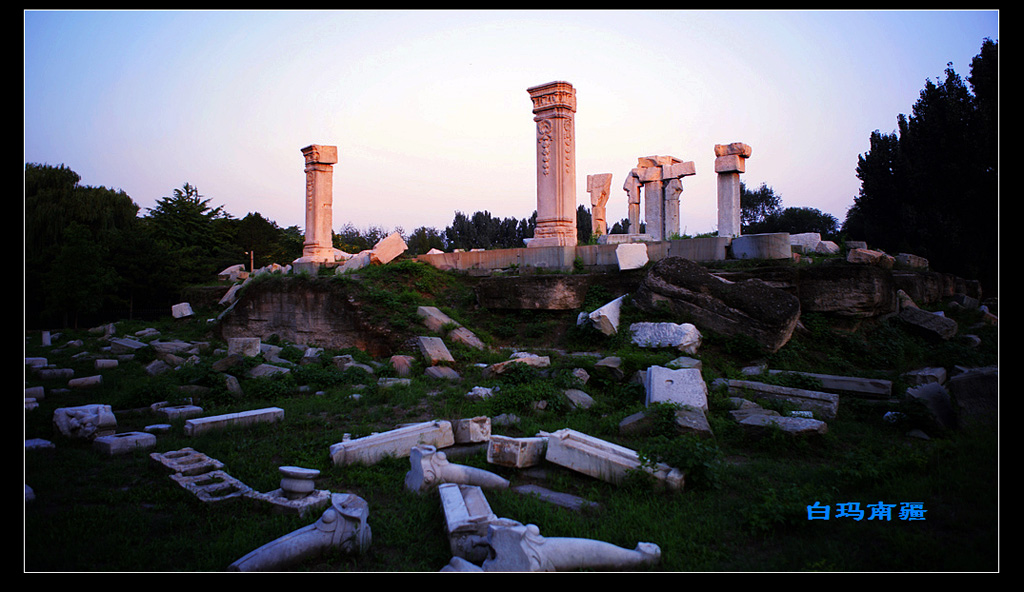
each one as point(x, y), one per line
point(244, 346)
point(926, 375)
point(579, 398)
point(770, 245)
point(434, 319)
point(85, 421)
point(86, 382)
point(529, 360)
point(759, 423)
point(605, 460)
point(915, 261)
point(631, 255)
point(518, 453)
point(174, 412)
point(684, 386)
point(346, 361)
point(55, 373)
point(682, 336)
point(975, 394)
point(393, 382)
point(181, 310)
point(929, 324)
point(201, 425)
point(105, 364)
point(479, 393)
point(394, 443)
point(691, 420)
point(472, 430)
point(442, 373)
point(466, 337)
point(869, 257)
point(124, 345)
point(402, 365)
point(606, 318)
point(124, 442)
point(434, 350)
point(267, 370)
point(38, 444)
point(387, 249)
point(612, 364)
point(827, 247)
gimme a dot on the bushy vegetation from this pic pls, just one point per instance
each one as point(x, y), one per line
point(743, 508)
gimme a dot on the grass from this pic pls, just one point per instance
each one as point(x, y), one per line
point(744, 507)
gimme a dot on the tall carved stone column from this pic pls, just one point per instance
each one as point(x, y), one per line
point(318, 246)
point(730, 161)
point(554, 104)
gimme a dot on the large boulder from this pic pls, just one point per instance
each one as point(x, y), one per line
point(857, 291)
point(748, 307)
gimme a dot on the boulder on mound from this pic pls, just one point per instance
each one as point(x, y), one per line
point(750, 307)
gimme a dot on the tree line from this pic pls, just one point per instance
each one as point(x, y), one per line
point(931, 187)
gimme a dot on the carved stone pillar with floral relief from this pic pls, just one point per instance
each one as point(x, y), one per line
point(320, 160)
point(554, 106)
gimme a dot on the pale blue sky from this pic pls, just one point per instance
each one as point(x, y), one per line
point(430, 113)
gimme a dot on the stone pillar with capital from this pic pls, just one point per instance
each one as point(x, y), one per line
point(730, 161)
point(318, 246)
point(554, 105)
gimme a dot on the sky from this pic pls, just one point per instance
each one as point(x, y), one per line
point(430, 112)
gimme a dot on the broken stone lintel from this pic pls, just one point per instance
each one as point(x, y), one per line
point(604, 460)
point(870, 387)
point(394, 443)
point(825, 405)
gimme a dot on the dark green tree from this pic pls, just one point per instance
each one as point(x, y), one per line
point(423, 239)
point(55, 203)
point(197, 239)
point(931, 187)
point(584, 225)
point(798, 221)
point(757, 205)
point(81, 278)
point(266, 242)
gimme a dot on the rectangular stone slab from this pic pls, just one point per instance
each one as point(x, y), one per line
point(199, 425)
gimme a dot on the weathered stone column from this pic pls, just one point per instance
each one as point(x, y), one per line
point(730, 161)
point(599, 186)
point(318, 246)
point(632, 189)
point(554, 104)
